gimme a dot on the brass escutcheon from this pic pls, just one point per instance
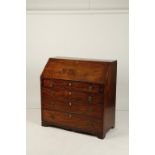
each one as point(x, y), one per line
point(70, 103)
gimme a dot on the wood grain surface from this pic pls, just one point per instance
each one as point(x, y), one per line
point(79, 95)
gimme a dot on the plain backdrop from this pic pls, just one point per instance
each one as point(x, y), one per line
point(100, 35)
point(76, 4)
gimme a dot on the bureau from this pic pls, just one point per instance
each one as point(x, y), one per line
point(79, 95)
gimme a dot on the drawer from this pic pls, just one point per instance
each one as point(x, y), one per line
point(72, 96)
point(91, 110)
point(73, 85)
point(71, 121)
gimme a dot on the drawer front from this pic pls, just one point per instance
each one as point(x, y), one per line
point(71, 121)
point(73, 85)
point(72, 96)
point(91, 110)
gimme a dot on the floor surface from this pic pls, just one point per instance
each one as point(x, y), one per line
point(54, 141)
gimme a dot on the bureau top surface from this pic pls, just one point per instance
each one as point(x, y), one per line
point(93, 71)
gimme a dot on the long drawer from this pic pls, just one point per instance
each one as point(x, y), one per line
point(72, 121)
point(92, 110)
point(72, 85)
point(72, 96)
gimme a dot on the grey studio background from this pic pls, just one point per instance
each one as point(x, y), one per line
point(76, 28)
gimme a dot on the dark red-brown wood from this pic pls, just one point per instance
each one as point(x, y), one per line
point(72, 121)
point(89, 109)
point(79, 95)
point(72, 85)
point(72, 96)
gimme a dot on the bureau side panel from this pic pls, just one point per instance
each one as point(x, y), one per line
point(110, 97)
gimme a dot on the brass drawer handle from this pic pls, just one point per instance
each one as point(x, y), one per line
point(70, 84)
point(90, 99)
point(70, 103)
point(70, 93)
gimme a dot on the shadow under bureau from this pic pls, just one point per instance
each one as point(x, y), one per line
point(79, 95)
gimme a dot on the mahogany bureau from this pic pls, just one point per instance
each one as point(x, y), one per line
point(79, 95)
